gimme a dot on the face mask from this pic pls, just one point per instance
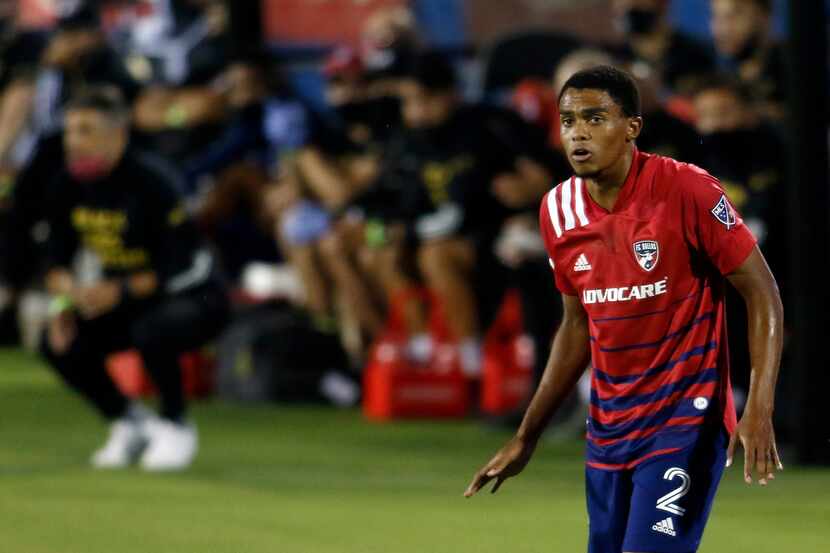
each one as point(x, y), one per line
point(639, 21)
point(89, 168)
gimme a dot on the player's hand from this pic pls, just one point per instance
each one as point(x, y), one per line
point(94, 301)
point(509, 461)
point(61, 331)
point(760, 452)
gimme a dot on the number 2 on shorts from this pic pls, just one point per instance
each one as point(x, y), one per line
point(667, 502)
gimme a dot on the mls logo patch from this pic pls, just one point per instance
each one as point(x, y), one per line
point(723, 212)
point(647, 252)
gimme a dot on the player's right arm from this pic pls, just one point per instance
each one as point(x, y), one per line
point(567, 361)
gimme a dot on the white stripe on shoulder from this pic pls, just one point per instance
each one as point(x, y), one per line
point(567, 212)
point(553, 211)
point(579, 203)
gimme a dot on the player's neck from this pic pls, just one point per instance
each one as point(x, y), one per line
point(605, 187)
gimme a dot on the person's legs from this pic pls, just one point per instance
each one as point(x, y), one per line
point(338, 252)
point(608, 496)
point(387, 264)
point(447, 266)
point(161, 334)
point(82, 366)
point(172, 327)
point(673, 496)
point(306, 262)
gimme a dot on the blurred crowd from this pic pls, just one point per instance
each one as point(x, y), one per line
point(415, 184)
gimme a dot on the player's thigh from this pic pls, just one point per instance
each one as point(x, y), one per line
point(672, 498)
point(608, 496)
point(182, 322)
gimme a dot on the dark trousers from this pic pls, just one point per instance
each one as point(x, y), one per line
point(161, 330)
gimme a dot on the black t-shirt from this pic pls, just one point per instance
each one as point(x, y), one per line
point(134, 221)
point(439, 180)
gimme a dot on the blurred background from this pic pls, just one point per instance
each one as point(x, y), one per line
point(368, 173)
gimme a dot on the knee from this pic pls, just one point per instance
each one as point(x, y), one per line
point(434, 261)
point(331, 247)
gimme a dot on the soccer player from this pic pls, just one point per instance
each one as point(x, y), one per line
point(159, 292)
point(640, 245)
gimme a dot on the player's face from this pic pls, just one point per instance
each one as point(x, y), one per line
point(89, 134)
point(719, 110)
point(734, 23)
point(424, 109)
point(595, 132)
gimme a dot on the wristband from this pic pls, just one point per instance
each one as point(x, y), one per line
point(59, 304)
point(176, 116)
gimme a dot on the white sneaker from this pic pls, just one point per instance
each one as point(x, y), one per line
point(123, 445)
point(339, 390)
point(171, 446)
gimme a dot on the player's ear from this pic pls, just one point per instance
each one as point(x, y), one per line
point(635, 126)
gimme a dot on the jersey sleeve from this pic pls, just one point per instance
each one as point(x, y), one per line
point(546, 230)
point(711, 224)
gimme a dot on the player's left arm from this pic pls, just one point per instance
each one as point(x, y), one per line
point(765, 315)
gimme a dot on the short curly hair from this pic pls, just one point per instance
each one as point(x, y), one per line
point(616, 82)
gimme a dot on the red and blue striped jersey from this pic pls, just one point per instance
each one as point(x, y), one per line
point(649, 274)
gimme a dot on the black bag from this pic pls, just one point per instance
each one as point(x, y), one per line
point(272, 352)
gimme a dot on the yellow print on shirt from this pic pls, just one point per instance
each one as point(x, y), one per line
point(437, 176)
point(102, 231)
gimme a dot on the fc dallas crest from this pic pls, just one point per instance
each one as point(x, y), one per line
point(647, 252)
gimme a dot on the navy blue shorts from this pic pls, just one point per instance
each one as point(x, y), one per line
point(659, 506)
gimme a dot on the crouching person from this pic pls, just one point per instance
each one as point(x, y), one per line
point(158, 291)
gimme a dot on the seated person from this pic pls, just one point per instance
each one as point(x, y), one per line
point(76, 55)
point(741, 31)
point(314, 202)
point(458, 172)
point(159, 292)
point(176, 52)
point(228, 179)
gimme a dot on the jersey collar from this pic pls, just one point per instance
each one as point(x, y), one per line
point(626, 191)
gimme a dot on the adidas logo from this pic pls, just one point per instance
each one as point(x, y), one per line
point(665, 527)
point(582, 263)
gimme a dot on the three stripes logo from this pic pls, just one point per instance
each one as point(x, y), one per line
point(582, 263)
point(566, 206)
point(665, 526)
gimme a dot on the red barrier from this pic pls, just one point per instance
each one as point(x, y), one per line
point(127, 371)
point(394, 387)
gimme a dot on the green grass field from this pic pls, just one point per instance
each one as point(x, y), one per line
point(291, 479)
